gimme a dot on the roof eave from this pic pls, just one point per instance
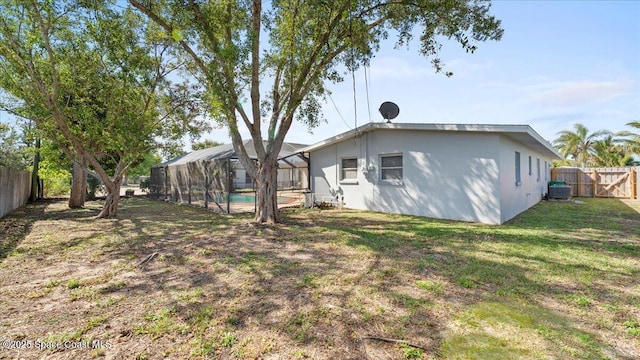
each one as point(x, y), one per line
point(494, 128)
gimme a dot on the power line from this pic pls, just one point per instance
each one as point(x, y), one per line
point(353, 72)
point(338, 111)
point(366, 86)
point(355, 100)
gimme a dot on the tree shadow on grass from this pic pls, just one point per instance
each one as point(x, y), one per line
point(612, 215)
point(322, 282)
point(13, 229)
point(17, 225)
point(256, 278)
point(261, 281)
point(464, 255)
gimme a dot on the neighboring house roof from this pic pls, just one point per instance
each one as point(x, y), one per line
point(522, 134)
point(226, 151)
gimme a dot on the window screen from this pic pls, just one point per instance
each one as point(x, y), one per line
point(391, 167)
point(349, 169)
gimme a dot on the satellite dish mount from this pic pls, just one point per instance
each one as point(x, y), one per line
point(389, 111)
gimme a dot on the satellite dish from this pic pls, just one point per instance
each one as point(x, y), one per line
point(389, 110)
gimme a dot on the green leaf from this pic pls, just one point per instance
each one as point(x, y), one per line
point(176, 34)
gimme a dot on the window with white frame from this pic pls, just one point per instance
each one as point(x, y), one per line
point(391, 167)
point(349, 169)
point(538, 168)
point(530, 172)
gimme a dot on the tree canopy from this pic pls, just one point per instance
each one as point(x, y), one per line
point(95, 79)
point(631, 139)
point(204, 144)
point(13, 150)
point(264, 65)
point(601, 148)
point(578, 144)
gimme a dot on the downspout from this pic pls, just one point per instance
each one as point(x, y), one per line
point(308, 173)
point(366, 153)
point(335, 146)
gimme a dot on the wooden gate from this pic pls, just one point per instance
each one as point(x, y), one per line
point(600, 182)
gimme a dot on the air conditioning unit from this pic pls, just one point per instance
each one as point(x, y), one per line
point(559, 192)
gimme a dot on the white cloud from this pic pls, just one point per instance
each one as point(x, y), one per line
point(463, 67)
point(412, 67)
point(575, 93)
point(391, 67)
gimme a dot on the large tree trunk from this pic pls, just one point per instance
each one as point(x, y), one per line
point(267, 192)
point(78, 186)
point(110, 208)
point(35, 180)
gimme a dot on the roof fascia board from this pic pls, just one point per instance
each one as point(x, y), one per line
point(494, 128)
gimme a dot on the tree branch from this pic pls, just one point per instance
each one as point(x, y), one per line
point(275, 95)
point(256, 13)
point(160, 21)
point(55, 85)
point(396, 341)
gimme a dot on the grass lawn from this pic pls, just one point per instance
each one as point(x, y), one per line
point(561, 281)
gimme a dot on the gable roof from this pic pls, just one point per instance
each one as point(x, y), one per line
point(226, 151)
point(522, 134)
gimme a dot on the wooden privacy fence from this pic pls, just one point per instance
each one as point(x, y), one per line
point(619, 182)
point(15, 188)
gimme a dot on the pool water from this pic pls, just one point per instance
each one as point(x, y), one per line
point(250, 199)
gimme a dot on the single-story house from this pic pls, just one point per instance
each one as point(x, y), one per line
point(477, 173)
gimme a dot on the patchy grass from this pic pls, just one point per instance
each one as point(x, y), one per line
point(560, 281)
point(73, 284)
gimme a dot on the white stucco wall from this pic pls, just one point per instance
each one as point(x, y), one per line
point(448, 175)
point(516, 198)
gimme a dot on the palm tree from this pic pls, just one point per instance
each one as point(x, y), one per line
point(608, 152)
point(578, 144)
point(631, 139)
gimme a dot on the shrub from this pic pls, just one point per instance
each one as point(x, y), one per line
point(145, 184)
point(93, 185)
point(56, 186)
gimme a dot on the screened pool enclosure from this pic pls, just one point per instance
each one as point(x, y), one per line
point(214, 178)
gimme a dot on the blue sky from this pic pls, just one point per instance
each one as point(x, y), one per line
point(558, 63)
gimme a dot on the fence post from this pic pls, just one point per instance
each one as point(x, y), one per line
point(579, 176)
point(594, 181)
